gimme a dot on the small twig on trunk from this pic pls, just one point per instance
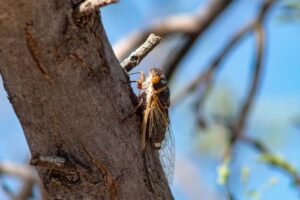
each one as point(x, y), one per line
point(53, 162)
point(137, 56)
point(90, 6)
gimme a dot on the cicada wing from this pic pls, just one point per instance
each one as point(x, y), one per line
point(160, 132)
point(167, 154)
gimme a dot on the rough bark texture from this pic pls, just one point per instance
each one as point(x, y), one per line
point(65, 85)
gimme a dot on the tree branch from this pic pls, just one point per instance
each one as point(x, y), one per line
point(210, 70)
point(191, 25)
point(89, 6)
point(137, 56)
point(239, 125)
point(23, 171)
point(82, 105)
point(210, 13)
point(273, 160)
point(26, 173)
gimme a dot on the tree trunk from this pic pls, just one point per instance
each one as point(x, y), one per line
point(66, 87)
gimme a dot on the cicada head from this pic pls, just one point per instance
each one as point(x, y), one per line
point(158, 79)
point(160, 83)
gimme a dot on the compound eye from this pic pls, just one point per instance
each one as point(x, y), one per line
point(155, 79)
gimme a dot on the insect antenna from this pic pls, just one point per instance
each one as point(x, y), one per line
point(132, 73)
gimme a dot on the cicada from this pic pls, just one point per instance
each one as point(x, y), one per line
point(154, 99)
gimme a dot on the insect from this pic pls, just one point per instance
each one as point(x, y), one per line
point(154, 99)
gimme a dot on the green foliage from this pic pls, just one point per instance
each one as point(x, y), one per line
point(257, 193)
point(290, 11)
point(280, 162)
point(223, 172)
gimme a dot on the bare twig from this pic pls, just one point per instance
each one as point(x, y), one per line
point(188, 24)
point(244, 112)
point(211, 69)
point(136, 57)
point(53, 162)
point(238, 126)
point(90, 6)
point(256, 144)
point(182, 23)
point(23, 171)
point(27, 173)
point(213, 10)
point(26, 190)
point(273, 160)
point(259, 31)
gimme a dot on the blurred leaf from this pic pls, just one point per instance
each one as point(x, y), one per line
point(280, 162)
point(213, 140)
point(245, 173)
point(223, 172)
point(290, 11)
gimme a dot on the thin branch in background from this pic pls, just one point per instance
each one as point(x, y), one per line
point(237, 127)
point(26, 190)
point(19, 170)
point(181, 23)
point(240, 123)
point(273, 160)
point(211, 69)
point(137, 56)
point(256, 144)
point(210, 13)
point(26, 173)
point(191, 26)
point(90, 6)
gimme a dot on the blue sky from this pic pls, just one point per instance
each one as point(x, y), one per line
point(271, 120)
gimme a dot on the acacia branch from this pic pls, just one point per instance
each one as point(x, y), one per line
point(137, 56)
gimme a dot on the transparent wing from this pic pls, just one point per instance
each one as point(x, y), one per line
point(167, 154)
point(160, 128)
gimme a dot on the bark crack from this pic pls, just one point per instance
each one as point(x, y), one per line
point(109, 181)
point(35, 53)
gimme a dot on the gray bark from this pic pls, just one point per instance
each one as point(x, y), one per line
point(66, 87)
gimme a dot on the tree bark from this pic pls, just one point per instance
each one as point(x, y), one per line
point(66, 87)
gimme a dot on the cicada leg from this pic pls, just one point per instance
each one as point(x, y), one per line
point(135, 110)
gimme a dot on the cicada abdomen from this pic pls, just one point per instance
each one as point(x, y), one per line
point(157, 137)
